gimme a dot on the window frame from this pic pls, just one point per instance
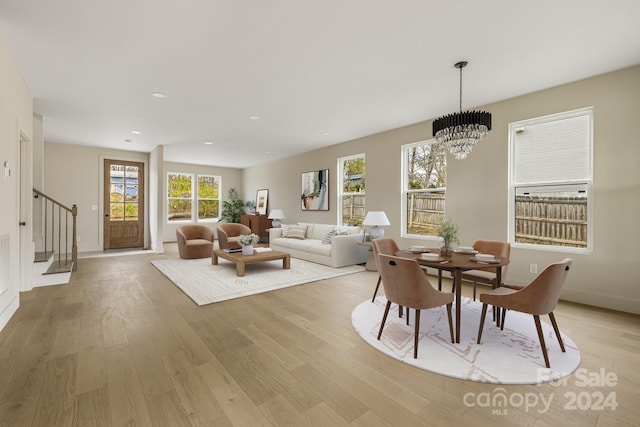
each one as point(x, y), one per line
point(585, 184)
point(339, 192)
point(406, 191)
point(194, 199)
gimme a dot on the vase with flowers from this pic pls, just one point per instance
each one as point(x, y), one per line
point(247, 241)
point(448, 232)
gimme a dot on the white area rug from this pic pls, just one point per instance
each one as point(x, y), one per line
point(512, 356)
point(205, 283)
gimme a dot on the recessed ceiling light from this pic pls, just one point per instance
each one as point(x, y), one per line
point(158, 95)
point(254, 117)
point(208, 143)
point(136, 132)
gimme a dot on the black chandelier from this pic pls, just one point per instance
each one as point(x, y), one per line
point(460, 132)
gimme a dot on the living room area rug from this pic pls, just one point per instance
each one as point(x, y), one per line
point(205, 283)
point(511, 356)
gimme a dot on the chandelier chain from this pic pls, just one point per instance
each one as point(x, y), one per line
point(461, 88)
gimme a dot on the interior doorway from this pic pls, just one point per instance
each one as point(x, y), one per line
point(123, 204)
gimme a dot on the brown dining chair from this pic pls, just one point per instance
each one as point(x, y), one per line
point(537, 298)
point(406, 284)
point(488, 277)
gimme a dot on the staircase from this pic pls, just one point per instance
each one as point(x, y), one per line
point(56, 253)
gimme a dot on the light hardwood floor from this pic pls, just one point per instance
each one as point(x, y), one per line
point(121, 345)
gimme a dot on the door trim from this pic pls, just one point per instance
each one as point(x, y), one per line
point(25, 212)
point(102, 208)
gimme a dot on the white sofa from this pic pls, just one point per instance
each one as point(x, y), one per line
point(343, 249)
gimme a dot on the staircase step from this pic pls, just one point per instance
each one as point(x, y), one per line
point(60, 267)
point(42, 256)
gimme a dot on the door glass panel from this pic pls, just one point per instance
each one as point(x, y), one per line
point(131, 193)
point(116, 192)
point(131, 211)
point(132, 173)
point(117, 212)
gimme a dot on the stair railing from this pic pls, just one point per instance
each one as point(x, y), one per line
point(53, 230)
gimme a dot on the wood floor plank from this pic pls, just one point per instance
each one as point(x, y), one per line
point(280, 412)
point(67, 337)
point(234, 402)
point(271, 347)
point(333, 396)
point(127, 403)
point(57, 398)
point(114, 326)
point(322, 415)
point(91, 369)
point(195, 397)
point(150, 368)
point(92, 409)
point(166, 409)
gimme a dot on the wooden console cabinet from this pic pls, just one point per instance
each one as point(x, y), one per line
point(259, 225)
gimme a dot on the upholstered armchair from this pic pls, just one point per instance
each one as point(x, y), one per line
point(194, 241)
point(228, 233)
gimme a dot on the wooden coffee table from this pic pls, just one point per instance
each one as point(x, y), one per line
point(242, 260)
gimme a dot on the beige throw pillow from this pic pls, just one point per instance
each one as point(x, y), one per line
point(297, 232)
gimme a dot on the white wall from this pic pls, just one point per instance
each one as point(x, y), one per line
point(477, 187)
point(16, 117)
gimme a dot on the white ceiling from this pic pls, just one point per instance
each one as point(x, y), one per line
point(316, 72)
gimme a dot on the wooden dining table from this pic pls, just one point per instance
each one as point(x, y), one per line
point(456, 263)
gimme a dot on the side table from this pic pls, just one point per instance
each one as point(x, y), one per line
point(371, 262)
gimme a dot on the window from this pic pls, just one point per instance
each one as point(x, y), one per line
point(424, 182)
point(183, 196)
point(179, 196)
point(351, 190)
point(550, 177)
point(208, 196)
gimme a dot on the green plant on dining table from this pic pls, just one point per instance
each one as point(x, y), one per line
point(448, 231)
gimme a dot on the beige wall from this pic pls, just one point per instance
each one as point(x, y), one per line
point(477, 186)
point(16, 117)
point(231, 177)
point(73, 175)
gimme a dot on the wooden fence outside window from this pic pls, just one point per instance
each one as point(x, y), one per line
point(554, 221)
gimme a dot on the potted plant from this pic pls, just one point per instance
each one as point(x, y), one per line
point(448, 231)
point(247, 241)
point(233, 207)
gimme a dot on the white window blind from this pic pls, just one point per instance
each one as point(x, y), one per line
point(553, 151)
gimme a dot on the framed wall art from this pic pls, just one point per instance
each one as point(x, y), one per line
point(315, 190)
point(262, 199)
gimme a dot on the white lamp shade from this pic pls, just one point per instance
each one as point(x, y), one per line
point(376, 218)
point(276, 214)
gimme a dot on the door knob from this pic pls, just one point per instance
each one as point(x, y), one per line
point(22, 223)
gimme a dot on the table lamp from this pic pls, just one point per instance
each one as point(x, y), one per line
point(376, 219)
point(276, 215)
